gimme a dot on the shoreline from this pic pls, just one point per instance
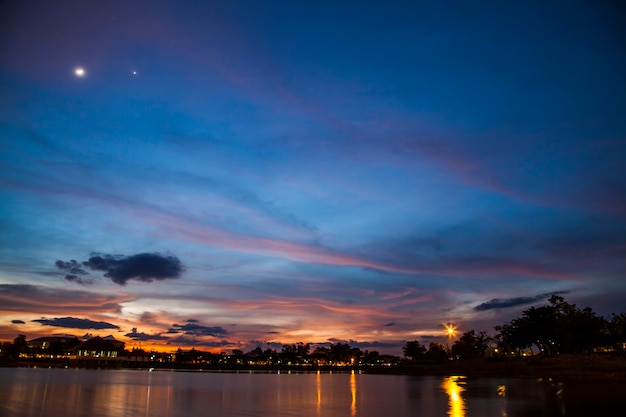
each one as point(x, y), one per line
point(560, 367)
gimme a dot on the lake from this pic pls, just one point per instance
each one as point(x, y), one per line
point(26, 392)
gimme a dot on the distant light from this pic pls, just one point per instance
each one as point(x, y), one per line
point(79, 72)
point(134, 72)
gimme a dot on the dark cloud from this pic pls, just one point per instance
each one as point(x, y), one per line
point(360, 345)
point(74, 323)
point(78, 280)
point(370, 345)
point(498, 303)
point(74, 271)
point(17, 322)
point(145, 267)
point(197, 330)
point(390, 324)
point(143, 337)
point(72, 267)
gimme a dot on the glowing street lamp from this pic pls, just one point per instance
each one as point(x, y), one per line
point(451, 330)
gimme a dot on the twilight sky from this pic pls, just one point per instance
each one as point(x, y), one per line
point(224, 174)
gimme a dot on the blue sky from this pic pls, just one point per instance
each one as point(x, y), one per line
point(225, 174)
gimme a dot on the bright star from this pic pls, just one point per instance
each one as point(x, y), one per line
point(79, 72)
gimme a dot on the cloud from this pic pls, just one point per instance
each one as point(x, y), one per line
point(17, 322)
point(143, 337)
point(145, 267)
point(39, 299)
point(191, 328)
point(72, 267)
point(78, 280)
point(375, 344)
point(220, 343)
point(360, 345)
point(75, 323)
point(498, 303)
point(242, 198)
point(72, 271)
point(188, 341)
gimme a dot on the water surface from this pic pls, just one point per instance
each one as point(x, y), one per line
point(26, 392)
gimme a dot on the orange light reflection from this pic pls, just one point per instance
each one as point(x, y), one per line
point(353, 393)
point(453, 387)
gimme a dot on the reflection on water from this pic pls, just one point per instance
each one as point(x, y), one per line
point(113, 393)
point(501, 390)
point(353, 393)
point(453, 386)
point(318, 386)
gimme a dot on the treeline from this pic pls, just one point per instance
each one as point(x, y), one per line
point(556, 328)
point(298, 354)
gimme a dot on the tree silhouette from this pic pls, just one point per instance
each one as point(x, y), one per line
point(559, 327)
point(414, 350)
point(617, 330)
point(471, 344)
point(437, 352)
point(345, 353)
point(20, 346)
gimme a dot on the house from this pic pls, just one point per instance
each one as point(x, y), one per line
point(97, 351)
point(115, 343)
point(52, 346)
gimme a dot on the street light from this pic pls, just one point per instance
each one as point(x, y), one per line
point(450, 329)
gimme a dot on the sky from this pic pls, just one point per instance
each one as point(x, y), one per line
point(231, 174)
